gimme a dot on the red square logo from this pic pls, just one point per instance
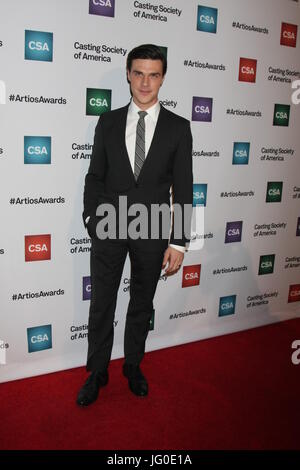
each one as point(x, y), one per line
point(37, 247)
point(247, 70)
point(191, 275)
point(294, 293)
point(288, 34)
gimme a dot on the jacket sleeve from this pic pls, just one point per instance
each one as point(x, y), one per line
point(183, 188)
point(94, 180)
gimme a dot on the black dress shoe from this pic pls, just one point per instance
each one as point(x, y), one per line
point(136, 381)
point(90, 390)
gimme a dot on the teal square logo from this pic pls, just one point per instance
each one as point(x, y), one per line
point(227, 305)
point(38, 45)
point(207, 18)
point(37, 150)
point(199, 194)
point(39, 338)
point(241, 152)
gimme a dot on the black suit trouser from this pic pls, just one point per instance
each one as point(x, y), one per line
point(107, 263)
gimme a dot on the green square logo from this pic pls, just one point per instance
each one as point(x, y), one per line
point(164, 51)
point(281, 115)
point(266, 264)
point(97, 101)
point(274, 191)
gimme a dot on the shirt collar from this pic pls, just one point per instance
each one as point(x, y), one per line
point(153, 111)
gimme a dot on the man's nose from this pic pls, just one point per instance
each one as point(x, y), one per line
point(145, 81)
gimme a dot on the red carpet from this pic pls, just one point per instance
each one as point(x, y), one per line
point(239, 391)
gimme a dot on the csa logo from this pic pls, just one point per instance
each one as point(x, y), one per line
point(86, 288)
point(241, 152)
point(39, 338)
point(37, 247)
point(266, 264)
point(294, 293)
point(233, 231)
point(202, 109)
point(274, 191)
point(191, 275)
point(199, 194)
point(207, 18)
point(281, 115)
point(227, 305)
point(102, 7)
point(38, 45)
point(247, 70)
point(298, 228)
point(97, 101)
point(37, 150)
point(288, 34)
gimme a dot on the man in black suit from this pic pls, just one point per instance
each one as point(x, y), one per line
point(139, 151)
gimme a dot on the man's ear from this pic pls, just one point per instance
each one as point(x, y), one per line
point(127, 75)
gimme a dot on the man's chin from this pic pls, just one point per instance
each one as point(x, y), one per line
point(147, 101)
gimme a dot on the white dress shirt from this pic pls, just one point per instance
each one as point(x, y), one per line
point(131, 123)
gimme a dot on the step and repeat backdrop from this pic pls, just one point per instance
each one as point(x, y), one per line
point(233, 69)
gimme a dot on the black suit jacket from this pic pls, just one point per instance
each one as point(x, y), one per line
point(168, 163)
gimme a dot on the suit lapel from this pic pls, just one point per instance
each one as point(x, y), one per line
point(121, 133)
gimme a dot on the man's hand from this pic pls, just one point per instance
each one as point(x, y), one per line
point(174, 258)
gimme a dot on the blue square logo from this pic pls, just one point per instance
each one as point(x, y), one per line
point(207, 18)
point(37, 150)
point(241, 152)
point(199, 194)
point(39, 338)
point(38, 45)
point(227, 305)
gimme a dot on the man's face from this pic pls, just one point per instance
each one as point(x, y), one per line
point(145, 77)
